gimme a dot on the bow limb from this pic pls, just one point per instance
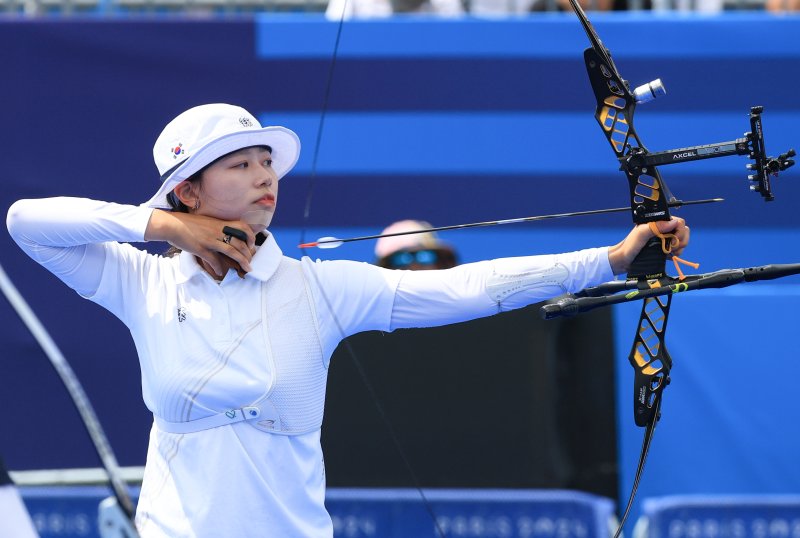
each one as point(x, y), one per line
point(82, 404)
point(649, 356)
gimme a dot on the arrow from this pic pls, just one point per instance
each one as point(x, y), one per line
point(333, 242)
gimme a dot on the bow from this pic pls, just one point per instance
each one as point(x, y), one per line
point(650, 200)
point(116, 513)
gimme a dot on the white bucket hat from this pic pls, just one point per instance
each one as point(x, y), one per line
point(202, 134)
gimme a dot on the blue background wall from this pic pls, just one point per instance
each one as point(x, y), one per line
point(453, 122)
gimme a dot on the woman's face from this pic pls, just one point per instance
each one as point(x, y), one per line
point(241, 185)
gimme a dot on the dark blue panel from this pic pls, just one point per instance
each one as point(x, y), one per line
point(500, 143)
point(545, 84)
point(378, 199)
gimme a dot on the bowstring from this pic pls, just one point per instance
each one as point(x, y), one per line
point(344, 340)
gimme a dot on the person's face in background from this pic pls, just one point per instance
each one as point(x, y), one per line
point(419, 259)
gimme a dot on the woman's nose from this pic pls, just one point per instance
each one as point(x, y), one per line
point(266, 178)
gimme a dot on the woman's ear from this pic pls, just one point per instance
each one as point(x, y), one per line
point(187, 194)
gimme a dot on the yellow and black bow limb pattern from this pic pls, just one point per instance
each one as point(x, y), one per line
point(650, 201)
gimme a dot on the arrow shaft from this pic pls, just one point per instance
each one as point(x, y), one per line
point(501, 222)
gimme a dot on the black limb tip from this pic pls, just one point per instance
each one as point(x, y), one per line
point(565, 307)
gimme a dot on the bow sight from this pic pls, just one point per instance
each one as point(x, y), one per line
point(752, 145)
point(615, 107)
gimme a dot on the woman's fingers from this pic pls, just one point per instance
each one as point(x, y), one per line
point(238, 253)
point(229, 263)
point(677, 228)
point(218, 264)
point(683, 240)
point(622, 255)
point(242, 233)
point(238, 246)
point(222, 245)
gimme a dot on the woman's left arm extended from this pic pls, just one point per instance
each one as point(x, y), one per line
point(474, 290)
point(432, 298)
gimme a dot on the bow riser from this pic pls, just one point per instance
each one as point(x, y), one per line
point(649, 194)
point(649, 201)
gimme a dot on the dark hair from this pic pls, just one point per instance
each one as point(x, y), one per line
point(177, 206)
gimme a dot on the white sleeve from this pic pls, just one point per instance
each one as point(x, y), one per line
point(469, 291)
point(66, 235)
point(350, 297)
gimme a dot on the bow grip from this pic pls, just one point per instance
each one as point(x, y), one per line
point(650, 263)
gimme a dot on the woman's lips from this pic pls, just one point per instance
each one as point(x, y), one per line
point(268, 200)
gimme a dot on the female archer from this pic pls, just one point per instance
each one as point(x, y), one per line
point(234, 339)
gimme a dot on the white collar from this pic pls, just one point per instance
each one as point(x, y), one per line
point(265, 262)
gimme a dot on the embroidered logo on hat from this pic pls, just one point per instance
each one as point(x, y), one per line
point(245, 122)
point(177, 151)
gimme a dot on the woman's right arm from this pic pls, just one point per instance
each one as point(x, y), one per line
point(66, 235)
point(203, 236)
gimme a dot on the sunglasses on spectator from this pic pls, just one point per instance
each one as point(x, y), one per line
point(427, 257)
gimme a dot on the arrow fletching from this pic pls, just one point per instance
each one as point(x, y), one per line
point(323, 242)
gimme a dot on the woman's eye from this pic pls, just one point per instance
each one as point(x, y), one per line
point(241, 165)
point(268, 162)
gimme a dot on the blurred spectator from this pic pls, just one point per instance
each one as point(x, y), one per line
point(597, 5)
point(783, 5)
point(590, 5)
point(701, 6)
point(414, 251)
point(385, 8)
point(506, 7)
point(358, 9)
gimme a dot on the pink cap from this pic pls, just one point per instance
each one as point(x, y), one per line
point(387, 245)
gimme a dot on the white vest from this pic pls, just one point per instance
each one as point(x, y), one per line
point(293, 342)
point(295, 404)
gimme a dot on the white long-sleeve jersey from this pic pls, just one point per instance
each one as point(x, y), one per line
point(207, 347)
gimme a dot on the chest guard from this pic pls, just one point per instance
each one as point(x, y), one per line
point(295, 403)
